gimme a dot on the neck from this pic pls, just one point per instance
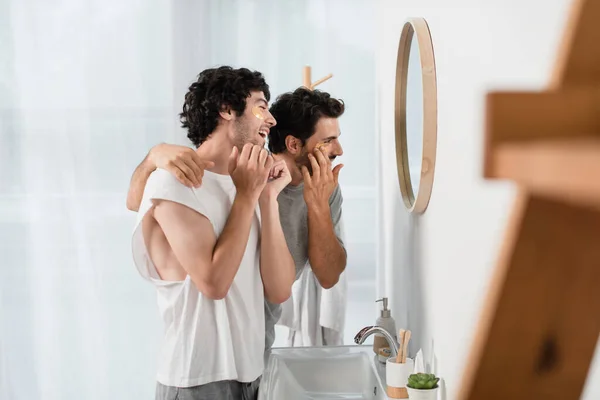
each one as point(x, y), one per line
point(217, 149)
point(295, 172)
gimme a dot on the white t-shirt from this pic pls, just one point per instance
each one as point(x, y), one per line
point(206, 340)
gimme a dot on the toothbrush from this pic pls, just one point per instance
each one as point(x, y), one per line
point(400, 355)
point(405, 349)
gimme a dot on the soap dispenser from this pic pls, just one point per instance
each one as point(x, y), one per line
point(385, 321)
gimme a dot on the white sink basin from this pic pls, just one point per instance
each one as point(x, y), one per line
point(340, 372)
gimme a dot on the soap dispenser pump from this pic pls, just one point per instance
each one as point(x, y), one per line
point(385, 321)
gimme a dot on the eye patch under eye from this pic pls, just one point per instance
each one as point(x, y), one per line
point(258, 113)
point(321, 145)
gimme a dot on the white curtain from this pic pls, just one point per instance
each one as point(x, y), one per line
point(86, 88)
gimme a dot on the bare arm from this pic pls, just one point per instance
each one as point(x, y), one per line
point(182, 162)
point(277, 267)
point(138, 184)
point(326, 255)
point(211, 264)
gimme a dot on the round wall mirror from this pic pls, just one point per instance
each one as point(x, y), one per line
point(415, 114)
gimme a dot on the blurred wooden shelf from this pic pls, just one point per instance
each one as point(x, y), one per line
point(567, 168)
point(541, 318)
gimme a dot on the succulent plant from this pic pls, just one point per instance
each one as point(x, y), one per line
point(423, 381)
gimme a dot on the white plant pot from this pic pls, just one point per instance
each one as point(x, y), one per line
point(422, 394)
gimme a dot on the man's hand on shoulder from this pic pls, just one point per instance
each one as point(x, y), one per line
point(181, 161)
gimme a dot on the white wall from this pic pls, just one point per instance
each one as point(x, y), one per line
point(436, 268)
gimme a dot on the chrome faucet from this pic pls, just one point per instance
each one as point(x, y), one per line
point(367, 331)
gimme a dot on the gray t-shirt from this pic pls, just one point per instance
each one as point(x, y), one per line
point(293, 214)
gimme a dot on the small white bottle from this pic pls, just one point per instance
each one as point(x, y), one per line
point(385, 321)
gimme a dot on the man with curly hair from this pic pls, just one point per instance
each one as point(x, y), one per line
point(306, 138)
point(216, 252)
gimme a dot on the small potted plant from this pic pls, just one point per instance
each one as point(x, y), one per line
point(422, 386)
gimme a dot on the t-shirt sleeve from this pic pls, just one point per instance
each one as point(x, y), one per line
point(162, 185)
point(335, 205)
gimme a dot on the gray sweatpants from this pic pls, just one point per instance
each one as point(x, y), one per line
point(221, 390)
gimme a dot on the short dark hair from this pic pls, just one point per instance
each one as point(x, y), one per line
point(297, 114)
point(214, 89)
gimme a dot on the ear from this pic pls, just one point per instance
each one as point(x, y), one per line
point(226, 113)
point(293, 144)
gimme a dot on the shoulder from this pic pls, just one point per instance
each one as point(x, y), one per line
point(163, 178)
point(164, 186)
point(163, 181)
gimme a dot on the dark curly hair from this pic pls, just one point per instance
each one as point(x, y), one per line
point(217, 88)
point(297, 114)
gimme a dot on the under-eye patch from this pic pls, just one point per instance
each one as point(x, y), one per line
point(258, 113)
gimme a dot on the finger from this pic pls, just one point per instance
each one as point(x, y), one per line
point(277, 171)
point(187, 171)
point(324, 163)
point(262, 157)
point(282, 168)
point(329, 169)
point(233, 159)
point(322, 159)
point(196, 170)
point(181, 177)
point(245, 155)
point(285, 175)
point(254, 153)
point(277, 165)
point(336, 172)
point(269, 163)
point(271, 176)
point(285, 171)
point(315, 166)
point(306, 175)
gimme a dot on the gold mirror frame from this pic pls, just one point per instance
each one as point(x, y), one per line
point(416, 204)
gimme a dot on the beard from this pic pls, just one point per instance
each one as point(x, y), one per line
point(243, 133)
